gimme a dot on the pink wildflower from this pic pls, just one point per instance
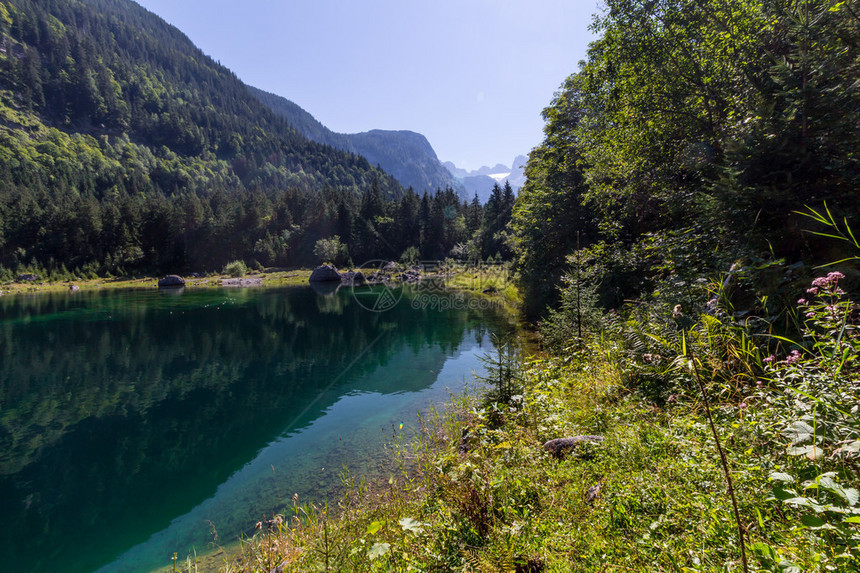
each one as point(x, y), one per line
point(813, 290)
point(793, 358)
point(769, 359)
point(830, 280)
point(801, 301)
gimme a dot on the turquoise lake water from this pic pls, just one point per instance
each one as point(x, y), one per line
point(136, 424)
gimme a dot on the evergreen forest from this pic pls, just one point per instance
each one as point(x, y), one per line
point(126, 150)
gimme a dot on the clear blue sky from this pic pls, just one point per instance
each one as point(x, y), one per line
point(471, 75)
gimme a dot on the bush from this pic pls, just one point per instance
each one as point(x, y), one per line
point(331, 250)
point(236, 269)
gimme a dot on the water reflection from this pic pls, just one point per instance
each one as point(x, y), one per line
point(123, 412)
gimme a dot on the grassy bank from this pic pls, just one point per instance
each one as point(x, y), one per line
point(477, 490)
point(272, 277)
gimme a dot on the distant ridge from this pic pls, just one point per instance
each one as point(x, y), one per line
point(481, 181)
point(405, 155)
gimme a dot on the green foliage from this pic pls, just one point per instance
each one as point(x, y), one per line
point(502, 372)
point(813, 400)
point(689, 138)
point(236, 269)
point(578, 315)
point(549, 211)
point(490, 239)
point(331, 250)
point(410, 255)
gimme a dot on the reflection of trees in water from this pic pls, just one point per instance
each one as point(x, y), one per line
point(130, 396)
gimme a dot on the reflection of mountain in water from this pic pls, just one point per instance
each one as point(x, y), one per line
point(121, 411)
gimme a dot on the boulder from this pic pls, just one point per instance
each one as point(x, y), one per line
point(324, 273)
point(559, 447)
point(171, 281)
point(411, 276)
point(30, 278)
point(352, 278)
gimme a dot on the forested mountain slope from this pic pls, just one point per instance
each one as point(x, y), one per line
point(122, 146)
point(407, 155)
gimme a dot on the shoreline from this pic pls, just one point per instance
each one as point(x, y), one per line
point(291, 277)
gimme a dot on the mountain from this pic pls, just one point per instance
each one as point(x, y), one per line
point(481, 181)
point(122, 144)
point(406, 155)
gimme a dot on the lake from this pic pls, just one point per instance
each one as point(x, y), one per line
point(139, 423)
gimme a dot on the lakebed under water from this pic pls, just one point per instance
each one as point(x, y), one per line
point(135, 424)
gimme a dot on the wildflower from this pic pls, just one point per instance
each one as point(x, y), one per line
point(801, 301)
point(769, 359)
point(759, 384)
point(810, 314)
point(676, 312)
point(830, 280)
point(813, 290)
point(793, 358)
point(742, 405)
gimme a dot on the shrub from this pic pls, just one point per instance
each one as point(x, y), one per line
point(236, 268)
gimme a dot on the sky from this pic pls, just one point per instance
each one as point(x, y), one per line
point(471, 75)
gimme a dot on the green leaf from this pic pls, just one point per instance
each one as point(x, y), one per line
point(409, 524)
point(375, 526)
point(811, 452)
point(764, 550)
point(849, 495)
point(779, 476)
point(804, 502)
point(800, 432)
point(378, 550)
point(782, 494)
point(852, 519)
point(813, 522)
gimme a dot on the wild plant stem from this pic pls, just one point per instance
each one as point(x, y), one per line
point(725, 464)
